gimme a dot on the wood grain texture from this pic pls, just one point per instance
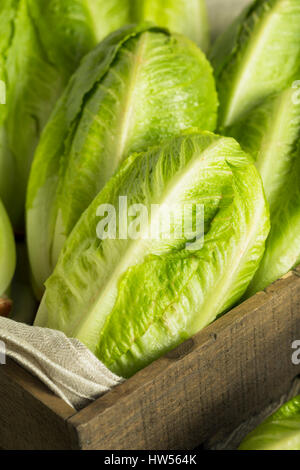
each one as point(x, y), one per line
point(31, 417)
point(213, 382)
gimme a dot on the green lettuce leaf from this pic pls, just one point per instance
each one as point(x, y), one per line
point(140, 86)
point(271, 134)
point(7, 251)
point(41, 45)
point(281, 431)
point(257, 57)
point(283, 245)
point(180, 16)
point(257, 65)
point(131, 300)
point(24, 304)
point(188, 18)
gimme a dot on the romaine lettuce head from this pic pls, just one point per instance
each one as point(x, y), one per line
point(283, 245)
point(281, 431)
point(259, 55)
point(271, 134)
point(7, 251)
point(131, 299)
point(41, 44)
point(140, 86)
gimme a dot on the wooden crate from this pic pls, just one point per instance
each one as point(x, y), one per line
point(208, 386)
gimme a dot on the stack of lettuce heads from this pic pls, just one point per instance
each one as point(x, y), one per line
point(136, 120)
point(257, 64)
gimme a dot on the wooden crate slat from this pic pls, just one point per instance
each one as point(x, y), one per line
point(31, 417)
point(222, 376)
point(210, 384)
